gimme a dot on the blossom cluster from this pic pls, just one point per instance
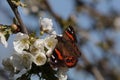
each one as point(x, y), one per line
point(30, 49)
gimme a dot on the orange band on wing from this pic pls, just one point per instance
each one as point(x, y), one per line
point(59, 54)
point(72, 61)
point(70, 36)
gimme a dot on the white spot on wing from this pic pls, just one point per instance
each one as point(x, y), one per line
point(72, 32)
point(53, 57)
point(69, 29)
point(55, 61)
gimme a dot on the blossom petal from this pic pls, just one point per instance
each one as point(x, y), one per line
point(27, 59)
point(19, 46)
point(39, 43)
point(16, 61)
point(50, 43)
point(8, 64)
point(20, 36)
point(3, 40)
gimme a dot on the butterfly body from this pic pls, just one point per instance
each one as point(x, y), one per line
point(66, 52)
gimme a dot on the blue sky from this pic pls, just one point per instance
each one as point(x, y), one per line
point(64, 8)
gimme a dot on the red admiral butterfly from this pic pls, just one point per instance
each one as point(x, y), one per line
point(66, 52)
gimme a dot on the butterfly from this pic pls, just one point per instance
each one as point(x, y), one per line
point(66, 52)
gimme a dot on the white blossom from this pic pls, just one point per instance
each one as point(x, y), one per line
point(50, 43)
point(46, 24)
point(3, 40)
point(40, 59)
point(21, 42)
point(39, 43)
point(8, 65)
point(38, 46)
point(12, 64)
point(62, 73)
point(17, 62)
point(34, 50)
point(27, 60)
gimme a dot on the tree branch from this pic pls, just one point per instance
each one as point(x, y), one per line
point(18, 17)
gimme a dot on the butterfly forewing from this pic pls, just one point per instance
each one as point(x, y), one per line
point(69, 34)
point(69, 38)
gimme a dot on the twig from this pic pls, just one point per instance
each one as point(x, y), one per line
point(15, 10)
point(93, 68)
point(56, 16)
point(97, 73)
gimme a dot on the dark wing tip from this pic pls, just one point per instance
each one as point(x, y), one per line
point(74, 34)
